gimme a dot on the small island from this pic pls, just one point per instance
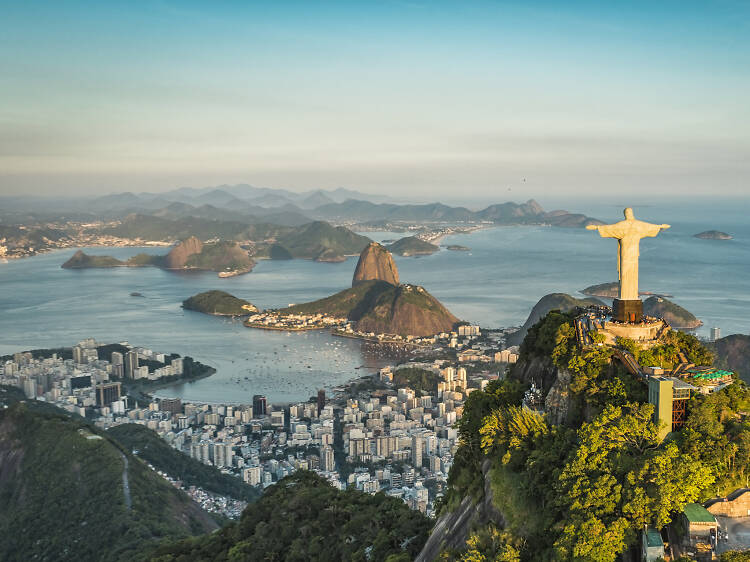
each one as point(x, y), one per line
point(458, 248)
point(412, 246)
point(219, 303)
point(713, 235)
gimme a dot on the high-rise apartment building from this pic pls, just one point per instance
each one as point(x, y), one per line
point(259, 405)
point(131, 363)
point(416, 451)
point(107, 393)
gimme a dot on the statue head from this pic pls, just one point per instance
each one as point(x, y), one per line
point(629, 213)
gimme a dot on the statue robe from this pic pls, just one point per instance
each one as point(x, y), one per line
point(628, 233)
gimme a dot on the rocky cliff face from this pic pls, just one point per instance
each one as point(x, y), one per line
point(178, 256)
point(375, 263)
point(553, 382)
point(452, 529)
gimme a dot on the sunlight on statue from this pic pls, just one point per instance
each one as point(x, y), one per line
point(628, 233)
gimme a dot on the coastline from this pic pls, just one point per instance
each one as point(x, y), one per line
point(283, 328)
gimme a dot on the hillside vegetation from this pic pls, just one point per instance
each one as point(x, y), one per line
point(311, 240)
point(553, 301)
point(304, 518)
point(62, 493)
point(153, 449)
point(379, 307)
point(583, 490)
point(674, 314)
point(412, 246)
point(220, 303)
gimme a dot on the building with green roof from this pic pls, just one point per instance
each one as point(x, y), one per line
point(653, 545)
point(699, 524)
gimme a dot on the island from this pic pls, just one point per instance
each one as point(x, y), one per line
point(412, 246)
point(81, 260)
point(713, 235)
point(219, 303)
point(226, 257)
point(458, 248)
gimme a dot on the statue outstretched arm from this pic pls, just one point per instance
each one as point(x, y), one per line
point(651, 230)
point(607, 230)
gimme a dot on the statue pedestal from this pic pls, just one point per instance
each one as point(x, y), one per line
point(627, 311)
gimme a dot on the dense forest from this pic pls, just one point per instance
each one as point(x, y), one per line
point(584, 489)
point(303, 517)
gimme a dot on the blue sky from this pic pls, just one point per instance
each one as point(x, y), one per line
point(432, 99)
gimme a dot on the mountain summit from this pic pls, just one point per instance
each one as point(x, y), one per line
point(375, 263)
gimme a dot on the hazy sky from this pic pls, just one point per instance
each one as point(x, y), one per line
point(427, 98)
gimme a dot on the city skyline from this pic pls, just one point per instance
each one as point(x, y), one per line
point(503, 100)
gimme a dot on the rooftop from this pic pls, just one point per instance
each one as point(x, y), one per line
point(696, 513)
point(653, 538)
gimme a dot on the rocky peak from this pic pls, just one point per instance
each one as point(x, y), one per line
point(375, 263)
point(178, 256)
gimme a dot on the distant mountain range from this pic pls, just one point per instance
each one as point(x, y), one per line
point(249, 204)
point(252, 205)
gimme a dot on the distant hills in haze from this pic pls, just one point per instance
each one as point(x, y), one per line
point(245, 213)
point(251, 205)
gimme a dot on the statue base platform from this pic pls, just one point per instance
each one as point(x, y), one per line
point(647, 333)
point(630, 311)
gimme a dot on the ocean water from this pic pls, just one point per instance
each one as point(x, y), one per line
point(495, 284)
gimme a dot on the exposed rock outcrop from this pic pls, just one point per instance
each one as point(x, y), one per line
point(178, 256)
point(375, 263)
point(557, 402)
point(452, 529)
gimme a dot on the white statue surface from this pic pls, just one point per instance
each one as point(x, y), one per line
point(628, 234)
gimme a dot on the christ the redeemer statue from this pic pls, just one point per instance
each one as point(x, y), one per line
point(628, 234)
